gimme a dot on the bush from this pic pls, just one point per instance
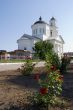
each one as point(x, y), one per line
point(65, 61)
point(53, 59)
point(51, 84)
point(28, 67)
point(50, 87)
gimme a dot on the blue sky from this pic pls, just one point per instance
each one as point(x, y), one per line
point(17, 16)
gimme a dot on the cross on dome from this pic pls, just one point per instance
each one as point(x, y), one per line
point(40, 19)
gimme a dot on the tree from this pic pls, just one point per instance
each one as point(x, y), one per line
point(41, 48)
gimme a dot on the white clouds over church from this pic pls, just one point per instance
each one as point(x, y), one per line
point(42, 31)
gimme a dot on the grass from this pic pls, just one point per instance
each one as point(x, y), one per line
point(16, 60)
point(12, 61)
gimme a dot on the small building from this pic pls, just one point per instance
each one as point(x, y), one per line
point(16, 54)
point(4, 55)
point(19, 54)
point(68, 54)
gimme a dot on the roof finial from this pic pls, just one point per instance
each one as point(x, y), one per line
point(40, 19)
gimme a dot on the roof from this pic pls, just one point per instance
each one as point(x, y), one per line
point(58, 38)
point(3, 51)
point(61, 38)
point(18, 50)
point(28, 36)
point(68, 54)
point(15, 51)
point(40, 21)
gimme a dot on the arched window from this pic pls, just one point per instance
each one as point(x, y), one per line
point(40, 30)
point(43, 30)
point(51, 33)
point(36, 31)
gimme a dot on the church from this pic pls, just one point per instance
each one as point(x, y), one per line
point(42, 30)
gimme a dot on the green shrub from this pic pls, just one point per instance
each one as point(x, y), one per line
point(50, 87)
point(53, 59)
point(51, 84)
point(64, 63)
point(28, 67)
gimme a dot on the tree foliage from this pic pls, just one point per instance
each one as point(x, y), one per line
point(41, 48)
point(65, 61)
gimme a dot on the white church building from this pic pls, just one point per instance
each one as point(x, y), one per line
point(42, 31)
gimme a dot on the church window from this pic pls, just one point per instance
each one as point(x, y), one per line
point(43, 30)
point(51, 24)
point(33, 31)
point(40, 30)
point(36, 31)
point(33, 48)
point(25, 48)
point(51, 33)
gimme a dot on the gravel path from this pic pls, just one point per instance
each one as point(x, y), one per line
point(9, 66)
point(15, 66)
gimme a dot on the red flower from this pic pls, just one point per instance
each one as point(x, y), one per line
point(43, 90)
point(61, 77)
point(36, 76)
point(53, 68)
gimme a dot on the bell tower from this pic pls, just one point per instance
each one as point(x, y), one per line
point(53, 28)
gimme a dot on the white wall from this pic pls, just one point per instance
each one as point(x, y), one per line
point(42, 29)
point(58, 47)
point(54, 31)
point(47, 30)
point(25, 43)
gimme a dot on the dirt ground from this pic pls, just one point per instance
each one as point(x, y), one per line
point(15, 89)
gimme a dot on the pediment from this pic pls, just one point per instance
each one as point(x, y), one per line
point(59, 38)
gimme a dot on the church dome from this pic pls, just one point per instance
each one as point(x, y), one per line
point(52, 18)
point(52, 21)
point(40, 21)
